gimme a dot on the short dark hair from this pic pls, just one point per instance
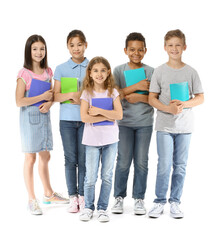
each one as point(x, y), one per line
point(27, 57)
point(135, 36)
point(76, 33)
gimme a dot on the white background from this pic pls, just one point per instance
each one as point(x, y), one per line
point(106, 25)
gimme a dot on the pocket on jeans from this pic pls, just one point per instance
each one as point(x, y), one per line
point(34, 118)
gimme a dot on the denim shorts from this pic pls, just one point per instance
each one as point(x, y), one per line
point(35, 129)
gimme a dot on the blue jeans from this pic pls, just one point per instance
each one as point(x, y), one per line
point(172, 151)
point(107, 155)
point(74, 153)
point(133, 145)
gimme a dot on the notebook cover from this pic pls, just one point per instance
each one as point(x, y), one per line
point(69, 85)
point(38, 87)
point(104, 103)
point(179, 91)
point(134, 76)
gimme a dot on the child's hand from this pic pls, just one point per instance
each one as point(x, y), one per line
point(132, 98)
point(176, 107)
point(44, 108)
point(94, 111)
point(48, 95)
point(143, 85)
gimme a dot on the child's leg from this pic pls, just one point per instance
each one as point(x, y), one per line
point(68, 131)
point(30, 159)
point(108, 158)
point(44, 158)
point(124, 159)
point(81, 160)
point(181, 147)
point(141, 150)
point(92, 165)
point(165, 148)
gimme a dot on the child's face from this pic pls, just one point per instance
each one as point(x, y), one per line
point(99, 73)
point(135, 51)
point(174, 48)
point(37, 51)
point(76, 48)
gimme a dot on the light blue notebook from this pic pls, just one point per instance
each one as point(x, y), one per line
point(179, 91)
point(134, 76)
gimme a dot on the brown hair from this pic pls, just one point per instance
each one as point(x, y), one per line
point(174, 33)
point(27, 57)
point(88, 83)
point(76, 33)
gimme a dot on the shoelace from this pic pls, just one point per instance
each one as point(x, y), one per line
point(175, 208)
point(35, 205)
point(157, 207)
point(139, 202)
point(102, 213)
point(118, 201)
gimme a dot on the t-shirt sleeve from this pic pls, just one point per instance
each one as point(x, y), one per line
point(85, 96)
point(197, 86)
point(57, 74)
point(115, 94)
point(116, 76)
point(50, 72)
point(154, 83)
point(25, 76)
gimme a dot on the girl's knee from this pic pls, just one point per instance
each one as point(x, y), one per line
point(30, 158)
point(44, 156)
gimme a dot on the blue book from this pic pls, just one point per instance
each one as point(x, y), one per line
point(38, 87)
point(134, 76)
point(179, 91)
point(104, 103)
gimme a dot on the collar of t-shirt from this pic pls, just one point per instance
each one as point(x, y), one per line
point(73, 64)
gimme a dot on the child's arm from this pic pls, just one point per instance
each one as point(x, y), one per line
point(197, 100)
point(61, 97)
point(86, 118)
point(115, 114)
point(173, 107)
point(22, 101)
point(140, 86)
point(136, 97)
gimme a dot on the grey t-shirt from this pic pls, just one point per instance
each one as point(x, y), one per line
point(134, 114)
point(162, 77)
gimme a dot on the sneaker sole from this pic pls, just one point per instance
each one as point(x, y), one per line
point(55, 202)
point(140, 212)
point(155, 215)
point(176, 216)
point(117, 211)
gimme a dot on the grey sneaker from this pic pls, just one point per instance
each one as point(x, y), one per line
point(86, 215)
point(175, 211)
point(34, 207)
point(139, 208)
point(156, 211)
point(118, 205)
point(103, 216)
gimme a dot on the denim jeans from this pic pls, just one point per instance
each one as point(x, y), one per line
point(107, 155)
point(133, 145)
point(172, 151)
point(74, 153)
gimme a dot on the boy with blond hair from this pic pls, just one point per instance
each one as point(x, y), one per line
point(174, 122)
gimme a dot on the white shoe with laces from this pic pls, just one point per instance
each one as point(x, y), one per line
point(118, 205)
point(156, 211)
point(34, 207)
point(102, 216)
point(86, 215)
point(139, 208)
point(175, 211)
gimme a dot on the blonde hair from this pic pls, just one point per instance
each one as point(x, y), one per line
point(174, 33)
point(88, 82)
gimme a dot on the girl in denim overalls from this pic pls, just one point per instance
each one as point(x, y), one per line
point(35, 124)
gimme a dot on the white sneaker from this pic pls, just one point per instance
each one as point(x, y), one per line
point(86, 215)
point(118, 205)
point(175, 211)
point(34, 207)
point(103, 216)
point(139, 208)
point(156, 211)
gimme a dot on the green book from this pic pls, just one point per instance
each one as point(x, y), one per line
point(69, 85)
